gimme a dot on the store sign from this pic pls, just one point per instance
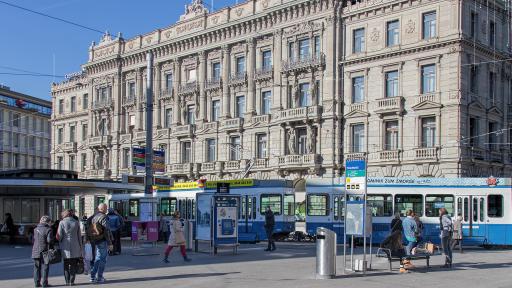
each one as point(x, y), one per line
point(355, 176)
point(139, 158)
point(222, 188)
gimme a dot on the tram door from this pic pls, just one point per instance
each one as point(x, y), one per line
point(247, 213)
point(338, 213)
point(472, 210)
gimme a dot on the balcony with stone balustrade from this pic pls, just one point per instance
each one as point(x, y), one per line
point(263, 119)
point(105, 140)
point(102, 104)
point(166, 94)
point(140, 136)
point(263, 73)
point(238, 79)
point(426, 153)
point(477, 153)
point(389, 105)
point(213, 84)
point(496, 156)
point(129, 100)
point(355, 156)
point(300, 114)
point(260, 163)
point(210, 127)
point(299, 161)
point(234, 124)
point(211, 167)
point(183, 130)
point(188, 88)
point(303, 63)
point(180, 168)
point(69, 147)
point(233, 165)
point(428, 97)
point(389, 156)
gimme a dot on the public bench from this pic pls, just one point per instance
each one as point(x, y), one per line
point(386, 253)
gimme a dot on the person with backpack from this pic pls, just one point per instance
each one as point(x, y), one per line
point(115, 222)
point(43, 239)
point(98, 234)
point(446, 227)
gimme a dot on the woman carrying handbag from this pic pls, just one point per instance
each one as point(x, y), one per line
point(43, 238)
point(177, 238)
point(70, 240)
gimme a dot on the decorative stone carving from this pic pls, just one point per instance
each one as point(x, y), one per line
point(189, 61)
point(215, 19)
point(375, 35)
point(265, 4)
point(292, 138)
point(238, 48)
point(183, 111)
point(194, 9)
point(410, 26)
point(304, 27)
point(214, 54)
point(239, 11)
point(311, 140)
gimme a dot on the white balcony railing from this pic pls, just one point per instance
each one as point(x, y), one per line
point(183, 130)
point(389, 155)
point(430, 153)
point(102, 104)
point(69, 146)
point(232, 165)
point(232, 124)
point(238, 79)
point(188, 88)
point(100, 140)
point(392, 104)
point(213, 84)
point(263, 73)
point(129, 100)
point(306, 160)
point(167, 93)
point(208, 166)
point(260, 119)
point(260, 163)
point(304, 62)
point(300, 113)
point(355, 156)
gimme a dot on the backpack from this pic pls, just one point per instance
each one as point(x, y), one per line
point(94, 230)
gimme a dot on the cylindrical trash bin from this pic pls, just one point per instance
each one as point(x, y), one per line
point(325, 253)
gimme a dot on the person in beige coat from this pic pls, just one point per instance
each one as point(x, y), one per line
point(177, 238)
point(70, 242)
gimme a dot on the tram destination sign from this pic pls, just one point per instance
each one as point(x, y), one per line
point(355, 176)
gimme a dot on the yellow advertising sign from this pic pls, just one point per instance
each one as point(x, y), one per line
point(185, 185)
point(232, 183)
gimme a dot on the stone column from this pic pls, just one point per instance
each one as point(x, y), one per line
point(251, 65)
point(202, 82)
point(157, 105)
point(116, 98)
point(225, 80)
point(177, 81)
point(90, 116)
point(140, 110)
point(277, 55)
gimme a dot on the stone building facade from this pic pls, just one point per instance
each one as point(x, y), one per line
point(291, 88)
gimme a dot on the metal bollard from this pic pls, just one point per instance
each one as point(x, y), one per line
point(189, 234)
point(325, 253)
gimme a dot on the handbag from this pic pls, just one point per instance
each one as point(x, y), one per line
point(52, 256)
point(80, 268)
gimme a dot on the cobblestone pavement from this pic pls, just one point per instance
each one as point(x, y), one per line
point(292, 265)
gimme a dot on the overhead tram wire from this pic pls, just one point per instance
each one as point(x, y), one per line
point(30, 74)
point(52, 17)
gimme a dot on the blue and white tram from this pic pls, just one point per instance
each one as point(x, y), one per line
point(256, 196)
point(483, 203)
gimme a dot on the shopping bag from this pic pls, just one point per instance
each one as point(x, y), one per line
point(52, 256)
point(88, 252)
point(430, 248)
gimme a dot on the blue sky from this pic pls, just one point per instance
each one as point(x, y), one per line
point(31, 42)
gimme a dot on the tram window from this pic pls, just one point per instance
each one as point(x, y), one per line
point(30, 211)
point(336, 207)
point(193, 209)
point(243, 208)
point(168, 206)
point(381, 205)
point(466, 209)
point(495, 206)
point(289, 205)
point(133, 208)
point(482, 209)
point(274, 201)
point(459, 206)
point(249, 207)
point(254, 208)
point(406, 202)
point(318, 205)
point(342, 208)
point(434, 202)
point(475, 209)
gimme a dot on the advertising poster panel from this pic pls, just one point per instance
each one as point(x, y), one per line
point(158, 161)
point(139, 158)
point(204, 214)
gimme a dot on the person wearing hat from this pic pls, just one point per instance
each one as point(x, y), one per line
point(43, 238)
point(115, 222)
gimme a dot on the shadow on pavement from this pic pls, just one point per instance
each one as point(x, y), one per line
point(169, 277)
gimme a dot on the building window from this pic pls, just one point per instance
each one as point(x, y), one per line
point(291, 51)
point(492, 34)
point(261, 150)
point(168, 81)
point(131, 90)
point(428, 78)
point(474, 130)
point(428, 132)
point(492, 85)
point(234, 148)
point(266, 102)
point(303, 49)
point(358, 89)
point(493, 136)
point(84, 132)
point(186, 151)
point(240, 65)
point(72, 162)
point(216, 71)
point(191, 75)
point(267, 60)
point(16, 140)
point(302, 140)
point(73, 104)
point(211, 150)
point(392, 28)
point(358, 138)
point(60, 163)
point(317, 46)
point(240, 107)
point(60, 135)
point(358, 40)
point(31, 143)
point(473, 79)
point(429, 25)
point(126, 158)
point(85, 101)
point(72, 133)
point(474, 24)
point(84, 162)
point(391, 141)
point(61, 106)
point(392, 84)
point(305, 97)
point(168, 118)
point(191, 115)
point(16, 119)
point(103, 127)
point(215, 110)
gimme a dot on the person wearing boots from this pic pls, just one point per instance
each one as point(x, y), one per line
point(394, 245)
point(446, 227)
point(177, 238)
point(269, 228)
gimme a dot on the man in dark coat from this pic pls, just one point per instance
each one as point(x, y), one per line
point(43, 238)
point(116, 223)
point(269, 228)
point(11, 229)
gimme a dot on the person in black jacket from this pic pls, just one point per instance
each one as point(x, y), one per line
point(43, 239)
point(396, 223)
point(11, 229)
point(269, 228)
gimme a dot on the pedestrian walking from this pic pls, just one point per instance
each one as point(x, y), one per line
point(163, 228)
point(457, 234)
point(270, 222)
point(70, 243)
point(55, 227)
point(116, 223)
point(419, 229)
point(9, 228)
point(177, 238)
point(396, 223)
point(446, 227)
point(410, 229)
point(43, 239)
point(98, 234)
point(394, 245)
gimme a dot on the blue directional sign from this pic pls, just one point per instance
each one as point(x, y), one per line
point(355, 176)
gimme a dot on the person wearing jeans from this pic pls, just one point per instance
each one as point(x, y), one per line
point(43, 238)
point(98, 234)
